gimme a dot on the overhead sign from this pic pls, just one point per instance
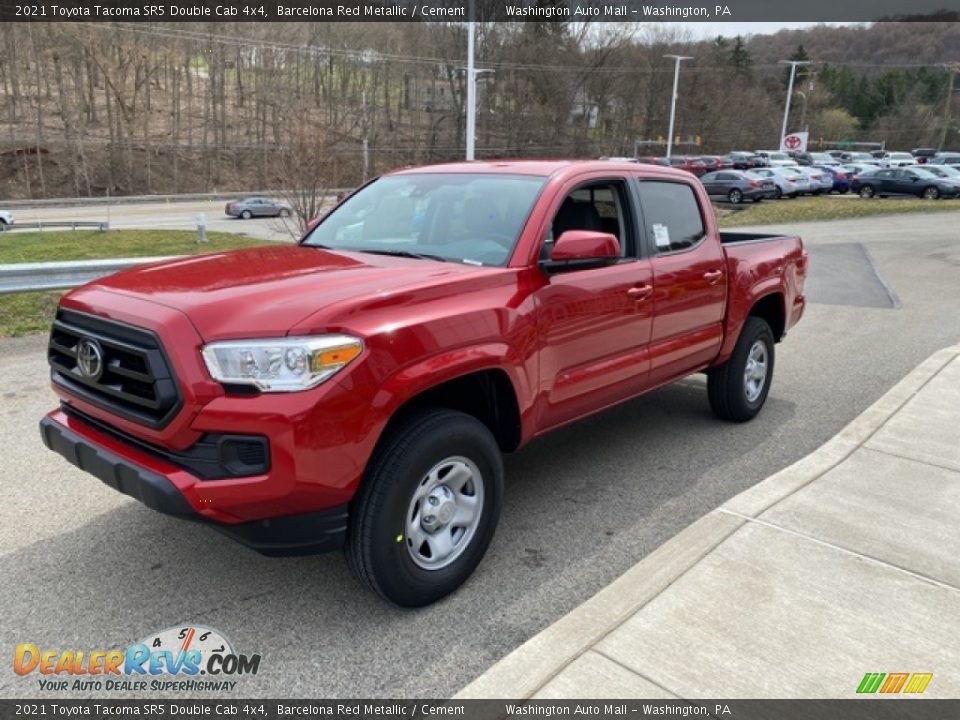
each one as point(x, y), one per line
point(794, 141)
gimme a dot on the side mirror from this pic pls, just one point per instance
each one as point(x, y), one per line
point(582, 249)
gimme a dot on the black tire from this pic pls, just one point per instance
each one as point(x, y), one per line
point(735, 196)
point(3, 225)
point(777, 193)
point(758, 199)
point(726, 386)
point(376, 547)
point(930, 193)
point(866, 191)
point(284, 212)
point(246, 214)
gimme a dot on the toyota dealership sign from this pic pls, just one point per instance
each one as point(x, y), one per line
point(794, 141)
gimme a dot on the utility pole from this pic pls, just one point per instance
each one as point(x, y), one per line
point(786, 111)
point(471, 84)
point(677, 59)
point(952, 70)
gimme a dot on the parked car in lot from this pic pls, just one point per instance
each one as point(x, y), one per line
point(945, 159)
point(854, 169)
point(923, 154)
point(904, 181)
point(690, 164)
point(820, 181)
point(736, 186)
point(822, 158)
point(789, 183)
point(847, 156)
point(357, 389)
point(947, 172)
point(839, 176)
point(256, 207)
point(6, 219)
point(743, 160)
point(896, 159)
point(712, 163)
point(775, 158)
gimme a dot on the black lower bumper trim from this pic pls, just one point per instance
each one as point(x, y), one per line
point(153, 490)
point(303, 534)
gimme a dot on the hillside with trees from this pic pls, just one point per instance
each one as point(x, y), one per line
point(115, 108)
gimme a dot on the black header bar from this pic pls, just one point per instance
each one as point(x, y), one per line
point(486, 10)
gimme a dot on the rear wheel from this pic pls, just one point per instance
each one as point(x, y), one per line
point(738, 389)
point(931, 193)
point(777, 193)
point(866, 191)
point(246, 214)
point(735, 196)
point(427, 508)
point(284, 212)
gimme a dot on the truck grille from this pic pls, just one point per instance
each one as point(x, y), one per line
point(120, 368)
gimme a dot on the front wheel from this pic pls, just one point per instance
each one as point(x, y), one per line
point(427, 508)
point(866, 192)
point(738, 388)
point(931, 193)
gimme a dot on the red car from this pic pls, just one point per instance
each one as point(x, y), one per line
point(357, 390)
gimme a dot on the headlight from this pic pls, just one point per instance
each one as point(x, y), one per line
point(282, 364)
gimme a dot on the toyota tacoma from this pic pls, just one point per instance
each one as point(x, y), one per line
point(358, 389)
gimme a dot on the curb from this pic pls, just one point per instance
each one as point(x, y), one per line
point(525, 670)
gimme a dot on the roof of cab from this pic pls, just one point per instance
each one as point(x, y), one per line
point(542, 168)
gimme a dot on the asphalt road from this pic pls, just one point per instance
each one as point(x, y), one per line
point(84, 567)
point(173, 216)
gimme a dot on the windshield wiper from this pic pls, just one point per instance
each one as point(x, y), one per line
point(407, 254)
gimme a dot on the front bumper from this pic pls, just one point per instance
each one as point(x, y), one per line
point(300, 534)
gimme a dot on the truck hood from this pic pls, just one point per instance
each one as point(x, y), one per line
point(265, 291)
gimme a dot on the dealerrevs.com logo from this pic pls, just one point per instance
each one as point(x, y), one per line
point(188, 658)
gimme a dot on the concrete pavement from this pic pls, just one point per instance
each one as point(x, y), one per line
point(840, 565)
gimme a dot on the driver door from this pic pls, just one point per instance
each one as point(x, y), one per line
point(594, 324)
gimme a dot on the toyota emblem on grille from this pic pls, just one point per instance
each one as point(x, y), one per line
point(89, 358)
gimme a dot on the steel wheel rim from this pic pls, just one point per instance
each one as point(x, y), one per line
point(755, 371)
point(444, 513)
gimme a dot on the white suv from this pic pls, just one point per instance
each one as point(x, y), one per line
point(897, 159)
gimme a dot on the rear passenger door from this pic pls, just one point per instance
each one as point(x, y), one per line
point(689, 279)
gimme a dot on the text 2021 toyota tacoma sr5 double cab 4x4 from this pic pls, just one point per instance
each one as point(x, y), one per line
point(358, 389)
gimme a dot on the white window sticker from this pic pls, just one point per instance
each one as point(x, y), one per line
point(661, 235)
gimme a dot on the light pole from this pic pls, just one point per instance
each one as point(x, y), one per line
point(673, 100)
point(786, 111)
point(471, 87)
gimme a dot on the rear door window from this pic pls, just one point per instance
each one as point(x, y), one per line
point(671, 216)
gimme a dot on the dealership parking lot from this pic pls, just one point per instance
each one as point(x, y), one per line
point(87, 568)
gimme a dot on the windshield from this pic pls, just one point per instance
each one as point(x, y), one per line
point(464, 217)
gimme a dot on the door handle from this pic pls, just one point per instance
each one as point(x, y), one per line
point(712, 276)
point(640, 292)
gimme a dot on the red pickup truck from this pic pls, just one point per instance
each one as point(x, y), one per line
point(357, 390)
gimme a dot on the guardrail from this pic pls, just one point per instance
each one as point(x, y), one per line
point(102, 226)
point(33, 277)
point(135, 199)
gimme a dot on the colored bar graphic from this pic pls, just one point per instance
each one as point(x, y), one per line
point(918, 682)
point(870, 682)
point(894, 683)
